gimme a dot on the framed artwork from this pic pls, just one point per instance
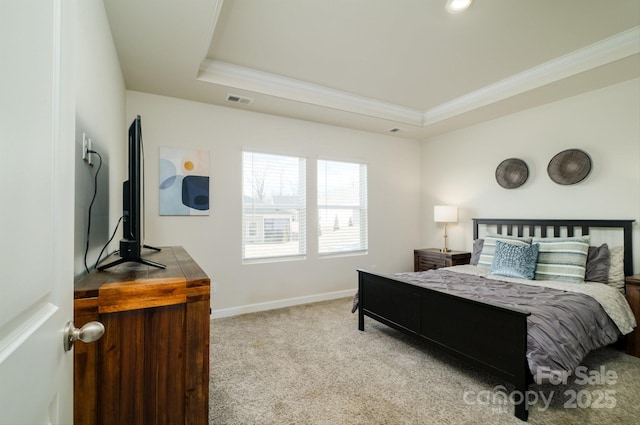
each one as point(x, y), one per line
point(184, 181)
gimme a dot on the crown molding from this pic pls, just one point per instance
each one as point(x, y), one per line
point(617, 47)
point(217, 9)
point(239, 77)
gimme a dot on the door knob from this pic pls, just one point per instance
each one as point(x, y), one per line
point(90, 332)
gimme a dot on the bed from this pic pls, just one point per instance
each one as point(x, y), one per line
point(491, 335)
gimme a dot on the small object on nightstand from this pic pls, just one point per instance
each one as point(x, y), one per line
point(433, 258)
point(632, 289)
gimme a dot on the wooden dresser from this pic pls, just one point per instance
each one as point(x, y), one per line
point(632, 289)
point(433, 258)
point(152, 364)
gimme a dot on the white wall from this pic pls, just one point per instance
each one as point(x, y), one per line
point(215, 240)
point(459, 167)
point(100, 107)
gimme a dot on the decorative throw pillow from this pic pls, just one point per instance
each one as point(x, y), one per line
point(616, 267)
point(562, 258)
point(515, 261)
point(477, 250)
point(489, 247)
point(597, 267)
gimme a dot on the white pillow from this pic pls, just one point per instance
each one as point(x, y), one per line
point(616, 267)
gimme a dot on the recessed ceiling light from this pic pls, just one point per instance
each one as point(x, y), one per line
point(455, 6)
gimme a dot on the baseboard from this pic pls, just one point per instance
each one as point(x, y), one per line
point(272, 305)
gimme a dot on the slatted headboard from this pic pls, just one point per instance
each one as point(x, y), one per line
point(541, 227)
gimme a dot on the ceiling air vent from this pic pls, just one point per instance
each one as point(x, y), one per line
point(239, 99)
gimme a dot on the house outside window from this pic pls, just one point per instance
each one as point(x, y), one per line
point(273, 207)
point(342, 208)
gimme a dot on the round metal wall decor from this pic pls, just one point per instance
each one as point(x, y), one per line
point(569, 167)
point(512, 173)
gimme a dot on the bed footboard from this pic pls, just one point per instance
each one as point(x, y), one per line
point(487, 335)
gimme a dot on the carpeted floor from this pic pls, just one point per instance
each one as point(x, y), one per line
point(310, 365)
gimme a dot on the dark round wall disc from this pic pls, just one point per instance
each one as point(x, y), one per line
point(512, 173)
point(569, 167)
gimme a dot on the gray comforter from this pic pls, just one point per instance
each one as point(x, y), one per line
point(563, 326)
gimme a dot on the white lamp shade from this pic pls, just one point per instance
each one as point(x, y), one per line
point(445, 214)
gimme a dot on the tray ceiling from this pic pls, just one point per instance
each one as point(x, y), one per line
point(376, 65)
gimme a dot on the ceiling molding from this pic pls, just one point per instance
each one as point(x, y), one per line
point(239, 77)
point(217, 8)
point(598, 54)
point(611, 49)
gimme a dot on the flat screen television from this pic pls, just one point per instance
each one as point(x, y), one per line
point(132, 240)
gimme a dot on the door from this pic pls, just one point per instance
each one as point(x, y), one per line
point(37, 131)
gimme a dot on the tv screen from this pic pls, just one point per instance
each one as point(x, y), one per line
point(131, 195)
point(132, 240)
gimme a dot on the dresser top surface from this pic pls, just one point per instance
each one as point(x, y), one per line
point(437, 251)
point(179, 266)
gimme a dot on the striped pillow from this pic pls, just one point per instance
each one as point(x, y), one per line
point(562, 258)
point(489, 247)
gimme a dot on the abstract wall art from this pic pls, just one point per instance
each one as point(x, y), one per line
point(184, 181)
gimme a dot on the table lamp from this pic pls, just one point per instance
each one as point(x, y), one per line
point(445, 214)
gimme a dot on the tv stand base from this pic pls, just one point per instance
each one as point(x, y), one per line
point(136, 260)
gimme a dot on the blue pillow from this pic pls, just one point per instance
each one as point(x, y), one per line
point(515, 261)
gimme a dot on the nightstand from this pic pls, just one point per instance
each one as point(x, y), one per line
point(632, 289)
point(432, 258)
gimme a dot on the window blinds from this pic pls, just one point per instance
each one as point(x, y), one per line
point(273, 206)
point(342, 207)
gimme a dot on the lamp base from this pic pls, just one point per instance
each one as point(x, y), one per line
point(445, 249)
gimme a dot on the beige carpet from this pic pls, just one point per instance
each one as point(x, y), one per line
point(310, 365)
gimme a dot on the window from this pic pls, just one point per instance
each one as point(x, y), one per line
point(273, 206)
point(342, 207)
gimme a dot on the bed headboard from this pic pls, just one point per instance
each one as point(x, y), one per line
point(541, 227)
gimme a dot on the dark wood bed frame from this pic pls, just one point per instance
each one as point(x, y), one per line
point(490, 336)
